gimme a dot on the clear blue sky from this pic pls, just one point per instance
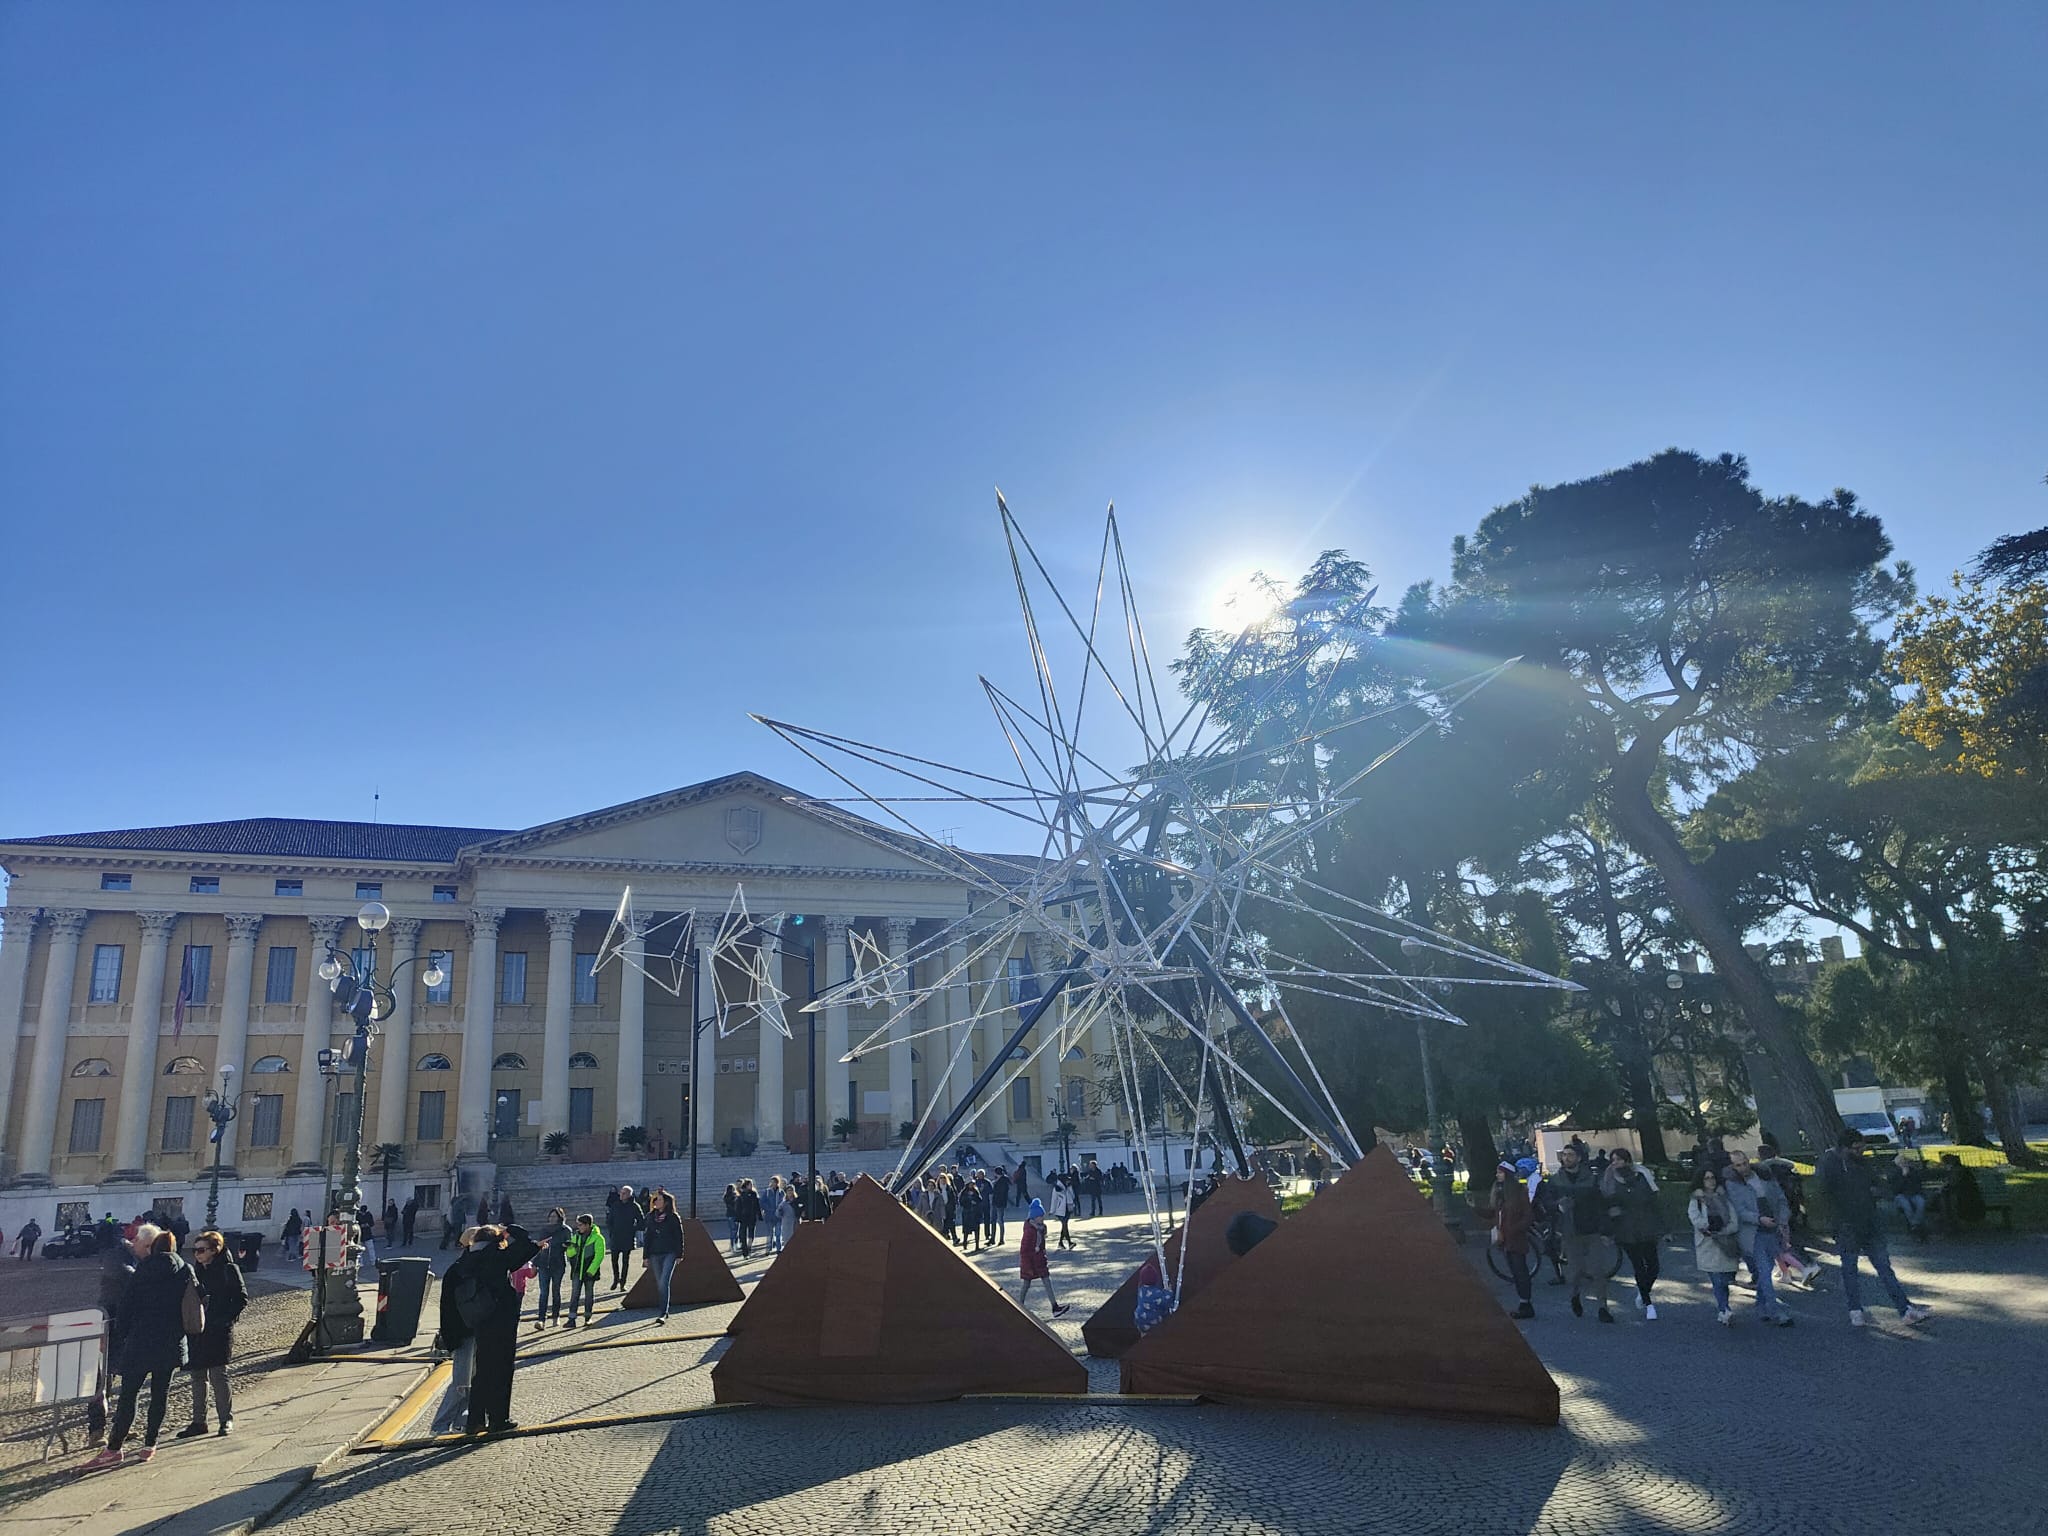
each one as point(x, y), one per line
point(551, 385)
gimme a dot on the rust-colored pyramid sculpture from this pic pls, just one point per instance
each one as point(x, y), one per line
point(1362, 1300)
point(1114, 1327)
point(876, 1307)
point(805, 1231)
point(700, 1275)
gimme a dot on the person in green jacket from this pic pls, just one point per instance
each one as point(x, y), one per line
point(586, 1263)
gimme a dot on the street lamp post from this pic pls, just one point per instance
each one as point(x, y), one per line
point(220, 1109)
point(368, 999)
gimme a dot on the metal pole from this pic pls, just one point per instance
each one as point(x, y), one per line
point(811, 1083)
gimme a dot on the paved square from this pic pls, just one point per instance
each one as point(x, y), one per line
point(1677, 1425)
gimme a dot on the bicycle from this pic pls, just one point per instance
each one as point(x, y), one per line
point(1547, 1243)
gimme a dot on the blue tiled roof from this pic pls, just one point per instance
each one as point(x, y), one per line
point(284, 838)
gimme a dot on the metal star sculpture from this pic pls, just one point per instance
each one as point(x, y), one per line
point(1150, 883)
point(748, 944)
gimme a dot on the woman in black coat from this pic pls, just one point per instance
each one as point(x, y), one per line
point(477, 1301)
point(208, 1353)
point(152, 1345)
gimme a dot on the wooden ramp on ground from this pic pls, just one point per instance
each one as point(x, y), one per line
point(700, 1276)
point(1360, 1300)
point(873, 1306)
point(1114, 1327)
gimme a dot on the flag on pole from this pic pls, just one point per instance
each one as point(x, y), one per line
point(184, 996)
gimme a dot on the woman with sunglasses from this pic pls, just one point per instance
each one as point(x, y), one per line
point(208, 1353)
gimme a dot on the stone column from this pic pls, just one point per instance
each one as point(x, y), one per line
point(632, 1093)
point(832, 973)
point(231, 1045)
point(479, 1033)
point(46, 1067)
point(768, 1073)
point(1051, 1075)
point(959, 1006)
point(554, 1048)
point(703, 1007)
point(138, 1072)
point(15, 939)
point(901, 1099)
point(1098, 1046)
point(394, 1051)
point(995, 1031)
point(309, 1103)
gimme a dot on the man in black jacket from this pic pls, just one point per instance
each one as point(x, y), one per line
point(1588, 1252)
point(622, 1218)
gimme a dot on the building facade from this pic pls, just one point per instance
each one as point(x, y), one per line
point(135, 965)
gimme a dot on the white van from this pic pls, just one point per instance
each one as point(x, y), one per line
point(1863, 1109)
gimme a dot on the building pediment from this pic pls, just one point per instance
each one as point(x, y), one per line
point(742, 820)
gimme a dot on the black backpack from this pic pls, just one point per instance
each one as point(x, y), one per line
point(474, 1304)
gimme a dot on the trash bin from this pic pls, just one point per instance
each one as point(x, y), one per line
point(401, 1294)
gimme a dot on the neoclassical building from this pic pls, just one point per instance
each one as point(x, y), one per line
point(135, 965)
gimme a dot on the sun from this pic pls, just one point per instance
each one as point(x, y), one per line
point(1241, 601)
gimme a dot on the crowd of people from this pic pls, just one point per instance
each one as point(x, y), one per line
point(1597, 1206)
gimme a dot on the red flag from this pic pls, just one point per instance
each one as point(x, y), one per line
point(184, 995)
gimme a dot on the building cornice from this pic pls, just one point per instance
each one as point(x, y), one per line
point(14, 856)
point(609, 866)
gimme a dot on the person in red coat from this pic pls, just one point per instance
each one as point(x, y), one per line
point(1513, 1221)
point(1031, 1258)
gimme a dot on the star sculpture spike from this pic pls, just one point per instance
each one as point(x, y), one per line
point(744, 944)
point(1148, 884)
point(664, 946)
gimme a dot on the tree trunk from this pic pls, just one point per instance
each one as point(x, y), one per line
point(2012, 1131)
point(1813, 1106)
point(1953, 1053)
point(1482, 1152)
point(1636, 1066)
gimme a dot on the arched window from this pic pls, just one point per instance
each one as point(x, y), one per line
point(510, 1061)
point(1074, 1053)
point(434, 1061)
point(583, 1061)
point(184, 1066)
point(93, 1066)
point(271, 1064)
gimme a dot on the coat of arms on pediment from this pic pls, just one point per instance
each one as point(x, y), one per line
point(743, 828)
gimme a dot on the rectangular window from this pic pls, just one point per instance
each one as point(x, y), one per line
point(106, 974)
point(582, 1103)
point(1077, 1097)
point(344, 1119)
point(266, 1120)
point(512, 972)
point(1022, 979)
point(586, 978)
point(206, 885)
point(291, 887)
point(427, 1196)
point(198, 972)
point(85, 1124)
point(178, 1123)
point(282, 979)
point(117, 882)
point(1020, 1099)
point(442, 960)
point(444, 893)
point(256, 1207)
point(369, 890)
point(433, 1107)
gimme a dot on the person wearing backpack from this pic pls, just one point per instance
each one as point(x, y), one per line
point(584, 1253)
point(226, 1296)
point(160, 1301)
point(478, 1303)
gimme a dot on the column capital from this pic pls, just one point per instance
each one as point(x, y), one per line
point(483, 922)
point(20, 925)
point(405, 932)
point(562, 923)
point(244, 926)
point(157, 926)
point(899, 931)
point(705, 925)
point(66, 922)
point(326, 930)
point(835, 929)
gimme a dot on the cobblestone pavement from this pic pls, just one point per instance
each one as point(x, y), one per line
point(1672, 1426)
